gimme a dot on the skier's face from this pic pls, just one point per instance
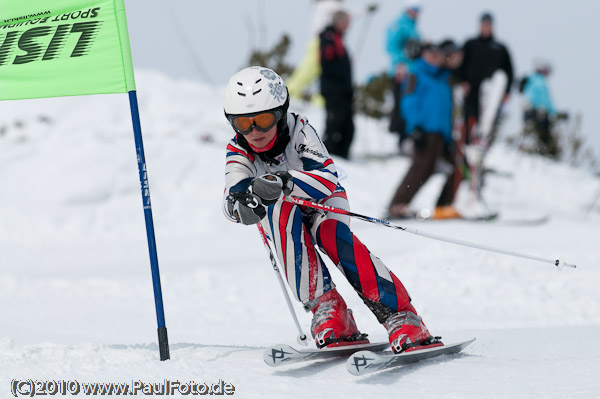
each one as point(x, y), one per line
point(486, 28)
point(453, 60)
point(259, 139)
point(433, 57)
point(342, 23)
point(413, 13)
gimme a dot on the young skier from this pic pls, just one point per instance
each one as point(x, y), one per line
point(277, 152)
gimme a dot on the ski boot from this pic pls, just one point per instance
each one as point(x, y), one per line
point(407, 332)
point(446, 212)
point(333, 324)
point(400, 211)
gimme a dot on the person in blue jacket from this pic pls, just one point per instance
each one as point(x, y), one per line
point(427, 109)
point(402, 44)
point(540, 109)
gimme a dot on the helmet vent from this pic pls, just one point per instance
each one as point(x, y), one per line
point(239, 83)
point(242, 94)
point(258, 81)
point(256, 92)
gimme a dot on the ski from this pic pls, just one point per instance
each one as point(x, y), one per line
point(278, 355)
point(496, 217)
point(426, 214)
point(365, 361)
point(523, 221)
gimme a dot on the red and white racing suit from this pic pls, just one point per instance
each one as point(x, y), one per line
point(297, 231)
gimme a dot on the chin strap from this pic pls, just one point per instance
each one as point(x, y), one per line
point(265, 148)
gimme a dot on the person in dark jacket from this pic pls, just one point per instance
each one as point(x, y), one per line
point(427, 109)
point(336, 86)
point(482, 56)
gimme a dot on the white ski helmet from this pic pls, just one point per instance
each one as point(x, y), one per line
point(414, 5)
point(542, 65)
point(255, 89)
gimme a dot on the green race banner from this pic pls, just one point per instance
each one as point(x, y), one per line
point(55, 48)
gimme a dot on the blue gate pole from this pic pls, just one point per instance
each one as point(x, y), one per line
point(163, 342)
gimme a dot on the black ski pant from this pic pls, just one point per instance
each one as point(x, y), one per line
point(543, 130)
point(339, 126)
point(471, 110)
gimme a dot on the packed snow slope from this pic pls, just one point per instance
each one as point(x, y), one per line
point(76, 289)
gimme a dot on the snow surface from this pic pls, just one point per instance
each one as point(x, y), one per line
point(76, 288)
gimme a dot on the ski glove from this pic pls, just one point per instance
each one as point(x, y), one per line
point(246, 208)
point(269, 187)
point(419, 139)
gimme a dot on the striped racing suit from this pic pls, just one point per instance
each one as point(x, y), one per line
point(297, 231)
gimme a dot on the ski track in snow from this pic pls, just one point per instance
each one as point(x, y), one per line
point(76, 288)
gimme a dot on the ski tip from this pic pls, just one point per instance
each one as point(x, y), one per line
point(277, 354)
point(366, 362)
point(360, 362)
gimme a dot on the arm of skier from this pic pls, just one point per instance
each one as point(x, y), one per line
point(238, 204)
point(315, 179)
point(508, 68)
point(318, 177)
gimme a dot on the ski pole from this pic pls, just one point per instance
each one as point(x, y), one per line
point(593, 205)
point(301, 339)
point(559, 263)
point(363, 34)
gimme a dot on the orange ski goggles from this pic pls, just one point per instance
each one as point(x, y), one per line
point(264, 121)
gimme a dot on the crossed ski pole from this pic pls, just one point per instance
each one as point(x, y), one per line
point(559, 263)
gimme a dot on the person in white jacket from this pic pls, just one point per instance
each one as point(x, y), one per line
point(276, 153)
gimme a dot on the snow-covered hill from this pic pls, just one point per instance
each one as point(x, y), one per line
point(76, 291)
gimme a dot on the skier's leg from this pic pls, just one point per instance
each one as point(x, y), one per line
point(446, 197)
point(303, 268)
point(334, 118)
point(471, 111)
point(422, 167)
point(378, 287)
point(443, 207)
point(347, 129)
point(308, 277)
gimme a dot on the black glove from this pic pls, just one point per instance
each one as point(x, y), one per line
point(269, 187)
point(419, 138)
point(246, 208)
